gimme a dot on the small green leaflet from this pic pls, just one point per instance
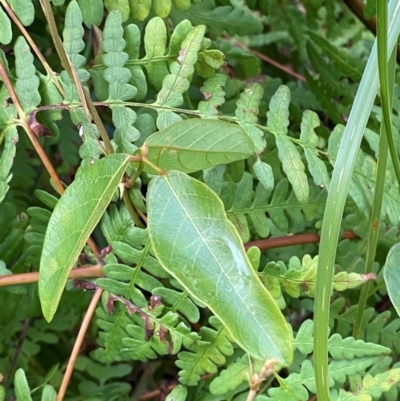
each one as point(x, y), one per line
point(391, 275)
point(196, 243)
point(74, 218)
point(195, 144)
point(5, 31)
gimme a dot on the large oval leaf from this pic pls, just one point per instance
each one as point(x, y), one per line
point(74, 218)
point(196, 144)
point(391, 274)
point(199, 246)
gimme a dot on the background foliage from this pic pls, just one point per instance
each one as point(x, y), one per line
point(262, 91)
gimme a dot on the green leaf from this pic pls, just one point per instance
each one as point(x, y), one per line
point(179, 393)
point(309, 140)
point(132, 37)
point(82, 204)
point(187, 223)
point(92, 12)
point(195, 144)
point(293, 167)
point(278, 121)
point(391, 274)
point(118, 5)
point(214, 96)
point(235, 21)
point(176, 83)
point(7, 159)
point(162, 8)
point(155, 42)
point(348, 65)
point(234, 375)
point(24, 10)
point(5, 31)
point(22, 391)
point(115, 58)
point(140, 9)
point(49, 394)
point(263, 172)
point(27, 85)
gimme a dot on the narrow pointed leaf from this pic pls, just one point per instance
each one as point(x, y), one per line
point(391, 274)
point(196, 243)
point(192, 145)
point(74, 218)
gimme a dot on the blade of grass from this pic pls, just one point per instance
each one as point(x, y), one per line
point(338, 190)
point(386, 78)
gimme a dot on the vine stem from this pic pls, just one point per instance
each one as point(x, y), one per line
point(96, 270)
point(78, 343)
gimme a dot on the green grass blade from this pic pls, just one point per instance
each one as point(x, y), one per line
point(386, 77)
point(336, 200)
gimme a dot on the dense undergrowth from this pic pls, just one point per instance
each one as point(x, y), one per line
point(168, 167)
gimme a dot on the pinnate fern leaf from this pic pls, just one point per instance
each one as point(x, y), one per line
point(235, 21)
point(176, 83)
point(300, 277)
point(27, 84)
point(204, 356)
point(118, 77)
point(278, 121)
point(267, 209)
point(6, 30)
point(214, 96)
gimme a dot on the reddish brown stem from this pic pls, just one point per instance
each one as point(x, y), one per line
point(289, 240)
point(26, 278)
point(78, 343)
point(269, 60)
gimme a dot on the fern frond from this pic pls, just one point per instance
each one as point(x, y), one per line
point(300, 277)
point(7, 158)
point(155, 42)
point(309, 141)
point(278, 121)
point(120, 90)
point(176, 83)
point(92, 12)
point(6, 31)
point(14, 224)
point(363, 181)
point(121, 6)
point(281, 208)
point(372, 386)
point(103, 383)
point(24, 10)
point(73, 44)
point(236, 373)
point(341, 59)
point(206, 355)
point(375, 328)
point(235, 21)
point(247, 111)
point(214, 96)
point(27, 84)
point(138, 79)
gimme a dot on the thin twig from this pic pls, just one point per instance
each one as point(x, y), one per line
point(21, 339)
point(78, 343)
point(27, 278)
point(290, 240)
point(267, 59)
point(95, 270)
